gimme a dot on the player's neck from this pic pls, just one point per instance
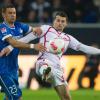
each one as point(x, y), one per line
point(58, 29)
point(9, 23)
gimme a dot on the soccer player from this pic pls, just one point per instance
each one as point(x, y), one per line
point(48, 64)
point(10, 30)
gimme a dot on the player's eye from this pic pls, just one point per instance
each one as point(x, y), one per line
point(62, 21)
point(11, 12)
point(58, 20)
point(14, 13)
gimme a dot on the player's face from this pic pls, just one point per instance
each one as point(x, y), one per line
point(60, 23)
point(10, 15)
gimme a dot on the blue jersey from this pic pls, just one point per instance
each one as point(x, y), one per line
point(9, 64)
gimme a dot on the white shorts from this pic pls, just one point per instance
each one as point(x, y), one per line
point(57, 77)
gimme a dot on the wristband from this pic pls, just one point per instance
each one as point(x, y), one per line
point(10, 47)
point(32, 46)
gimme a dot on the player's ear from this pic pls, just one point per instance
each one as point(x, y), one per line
point(66, 24)
point(3, 15)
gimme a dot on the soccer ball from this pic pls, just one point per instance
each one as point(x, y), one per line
point(56, 46)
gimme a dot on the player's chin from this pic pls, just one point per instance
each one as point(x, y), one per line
point(13, 20)
point(60, 29)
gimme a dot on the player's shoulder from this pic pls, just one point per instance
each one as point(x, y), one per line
point(65, 34)
point(17, 23)
point(3, 28)
point(2, 25)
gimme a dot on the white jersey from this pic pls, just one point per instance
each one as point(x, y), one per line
point(48, 33)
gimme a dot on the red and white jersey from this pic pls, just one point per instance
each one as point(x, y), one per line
point(48, 33)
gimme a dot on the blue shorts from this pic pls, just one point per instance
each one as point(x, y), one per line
point(10, 87)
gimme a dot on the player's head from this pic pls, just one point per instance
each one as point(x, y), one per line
point(60, 21)
point(9, 13)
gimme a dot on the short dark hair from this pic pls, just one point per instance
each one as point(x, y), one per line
point(62, 14)
point(7, 6)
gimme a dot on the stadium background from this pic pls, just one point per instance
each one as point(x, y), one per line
point(84, 24)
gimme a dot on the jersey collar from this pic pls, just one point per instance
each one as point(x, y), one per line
point(12, 27)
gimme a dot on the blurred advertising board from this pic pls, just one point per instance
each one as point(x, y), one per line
point(72, 64)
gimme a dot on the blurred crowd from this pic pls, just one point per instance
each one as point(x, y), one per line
point(34, 11)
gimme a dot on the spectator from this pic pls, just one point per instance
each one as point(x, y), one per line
point(5, 2)
point(97, 4)
point(32, 17)
point(46, 18)
point(22, 9)
point(57, 6)
point(39, 6)
point(91, 13)
point(76, 10)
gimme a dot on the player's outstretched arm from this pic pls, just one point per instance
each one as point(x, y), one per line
point(78, 46)
point(89, 49)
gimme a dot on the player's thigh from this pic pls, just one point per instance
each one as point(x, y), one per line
point(11, 90)
point(57, 77)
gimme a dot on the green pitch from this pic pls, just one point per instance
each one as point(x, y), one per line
point(49, 94)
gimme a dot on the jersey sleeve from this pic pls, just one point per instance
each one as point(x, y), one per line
point(4, 33)
point(26, 28)
point(74, 43)
point(44, 29)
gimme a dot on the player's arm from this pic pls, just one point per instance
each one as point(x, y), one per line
point(32, 34)
point(89, 49)
point(76, 45)
point(37, 31)
point(40, 31)
point(22, 45)
point(14, 43)
point(26, 39)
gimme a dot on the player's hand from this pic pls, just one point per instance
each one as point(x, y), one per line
point(39, 47)
point(5, 51)
point(37, 31)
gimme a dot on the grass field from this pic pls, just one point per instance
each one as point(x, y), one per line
point(49, 94)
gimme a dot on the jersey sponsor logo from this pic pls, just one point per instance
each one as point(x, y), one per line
point(21, 31)
point(3, 30)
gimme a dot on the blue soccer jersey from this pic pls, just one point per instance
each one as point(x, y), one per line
point(9, 64)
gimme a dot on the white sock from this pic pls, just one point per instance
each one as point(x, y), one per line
point(42, 69)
